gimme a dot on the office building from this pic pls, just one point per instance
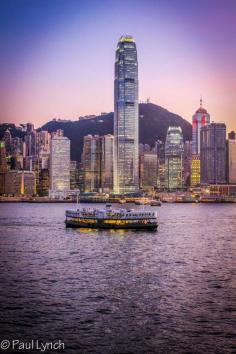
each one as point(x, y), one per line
point(107, 163)
point(20, 183)
point(3, 166)
point(126, 117)
point(59, 165)
point(161, 176)
point(91, 160)
point(200, 119)
point(174, 150)
point(187, 158)
point(148, 170)
point(43, 184)
point(195, 171)
point(231, 161)
point(213, 154)
point(73, 175)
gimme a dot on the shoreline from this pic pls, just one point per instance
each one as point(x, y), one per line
point(100, 201)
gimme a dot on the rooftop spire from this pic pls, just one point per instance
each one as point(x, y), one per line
point(201, 101)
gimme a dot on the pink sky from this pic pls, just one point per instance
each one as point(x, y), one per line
point(61, 62)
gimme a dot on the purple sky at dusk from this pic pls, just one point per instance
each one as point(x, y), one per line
point(57, 56)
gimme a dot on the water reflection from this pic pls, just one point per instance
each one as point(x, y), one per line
point(120, 291)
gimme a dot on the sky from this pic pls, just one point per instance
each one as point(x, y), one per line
point(57, 56)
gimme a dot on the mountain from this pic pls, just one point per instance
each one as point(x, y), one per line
point(153, 124)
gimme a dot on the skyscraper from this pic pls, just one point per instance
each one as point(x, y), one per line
point(148, 170)
point(200, 119)
point(160, 150)
point(59, 165)
point(231, 161)
point(174, 150)
point(107, 163)
point(91, 159)
point(213, 153)
point(187, 162)
point(126, 177)
point(3, 166)
point(97, 161)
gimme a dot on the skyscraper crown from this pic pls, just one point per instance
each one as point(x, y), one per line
point(126, 38)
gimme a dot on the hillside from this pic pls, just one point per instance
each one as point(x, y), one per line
point(153, 124)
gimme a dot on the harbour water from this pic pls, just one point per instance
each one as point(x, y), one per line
point(168, 291)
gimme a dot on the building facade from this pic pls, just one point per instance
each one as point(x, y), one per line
point(160, 151)
point(232, 161)
point(213, 154)
point(107, 163)
point(59, 164)
point(20, 183)
point(174, 150)
point(3, 166)
point(195, 171)
point(148, 170)
point(187, 158)
point(200, 119)
point(91, 160)
point(126, 118)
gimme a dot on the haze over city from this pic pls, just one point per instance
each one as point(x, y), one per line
point(58, 56)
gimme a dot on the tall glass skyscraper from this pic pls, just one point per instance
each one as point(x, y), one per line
point(174, 150)
point(126, 176)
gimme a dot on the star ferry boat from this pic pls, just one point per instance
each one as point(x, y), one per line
point(109, 218)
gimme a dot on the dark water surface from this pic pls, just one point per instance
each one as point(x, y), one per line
point(170, 291)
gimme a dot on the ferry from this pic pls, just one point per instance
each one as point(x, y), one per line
point(110, 218)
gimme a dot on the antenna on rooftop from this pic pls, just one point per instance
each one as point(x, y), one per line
point(201, 100)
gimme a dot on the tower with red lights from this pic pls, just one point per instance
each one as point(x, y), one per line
point(200, 119)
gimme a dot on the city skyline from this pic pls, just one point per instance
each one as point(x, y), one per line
point(48, 67)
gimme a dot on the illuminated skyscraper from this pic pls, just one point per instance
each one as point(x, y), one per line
point(174, 150)
point(200, 119)
point(59, 164)
point(126, 176)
